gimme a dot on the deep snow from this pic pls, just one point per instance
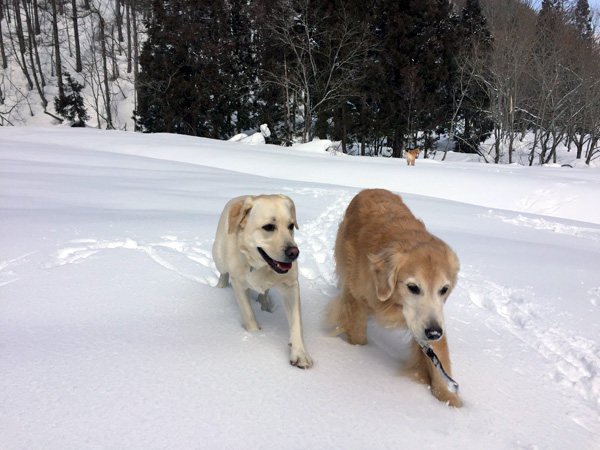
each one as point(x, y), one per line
point(113, 335)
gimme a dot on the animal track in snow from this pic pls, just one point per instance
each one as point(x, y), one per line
point(169, 252)
point(7, 274)
point(321, 232)
point(543, 201)
point(543, 224)
point(573, 360)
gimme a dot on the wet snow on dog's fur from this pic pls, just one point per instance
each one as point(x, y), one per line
point(114, 336)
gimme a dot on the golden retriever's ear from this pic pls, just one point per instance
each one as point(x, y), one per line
point(384, 266)
point(237, 213)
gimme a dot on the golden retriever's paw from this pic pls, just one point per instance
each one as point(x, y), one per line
point(447, 397)
point(300, 359)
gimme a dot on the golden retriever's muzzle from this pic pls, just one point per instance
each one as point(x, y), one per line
point(291, 254)
point(433, 332)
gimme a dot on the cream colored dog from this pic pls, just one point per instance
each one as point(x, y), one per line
point(389, 266)
point(411, 155)
point(255, 248)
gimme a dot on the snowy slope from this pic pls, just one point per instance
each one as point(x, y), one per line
point(113, 335)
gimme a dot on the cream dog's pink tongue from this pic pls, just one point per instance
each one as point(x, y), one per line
point(282, 265)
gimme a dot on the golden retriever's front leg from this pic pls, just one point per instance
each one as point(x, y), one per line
point(428, 372)
point(291, 301)
point(354, 319)
point(346, 316)
point(242, 295)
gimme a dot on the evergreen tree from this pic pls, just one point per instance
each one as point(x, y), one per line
point(245, 63)
point(582, 19)
point(186, 81)
point(476, 47)
point(417, 43)
point(69, 103)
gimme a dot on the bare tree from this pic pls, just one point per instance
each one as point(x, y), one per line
point(104, 55)
point(513, 24)
point(33, 51)
point(21, 41)
point(322, 62)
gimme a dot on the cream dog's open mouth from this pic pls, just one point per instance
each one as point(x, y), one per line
point(277, 266)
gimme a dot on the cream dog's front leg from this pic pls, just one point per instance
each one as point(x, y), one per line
point(242, 295)
point(291, 301)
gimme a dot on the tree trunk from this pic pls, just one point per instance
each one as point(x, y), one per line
point(36, 18)
point(135, 42)
point(19, 25)
point(78, 65)
point(2, 51)
point(109, 124)
point(344, 129)
point(21, 40)
point(31, 41)
point(288, 128)
point(128, 18)
point(59, 80)
point(363, 124)
point(119, 18)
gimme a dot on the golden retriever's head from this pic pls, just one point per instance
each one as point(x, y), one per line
point(265, 226)
point(413, 285)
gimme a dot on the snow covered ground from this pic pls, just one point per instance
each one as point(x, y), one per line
point(113, 336)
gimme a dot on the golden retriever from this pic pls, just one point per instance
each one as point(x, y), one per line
point(254, 247)
point(411, 155)
point(389, 266)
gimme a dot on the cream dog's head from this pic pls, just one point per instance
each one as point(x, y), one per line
point(265, 227)
point(413, 285)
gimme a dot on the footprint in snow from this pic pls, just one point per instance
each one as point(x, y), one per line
point(171, 253)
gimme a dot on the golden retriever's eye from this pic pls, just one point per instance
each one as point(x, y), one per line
point(413, 288)
point(269, 227)
point(291, 227)
point(444, 290)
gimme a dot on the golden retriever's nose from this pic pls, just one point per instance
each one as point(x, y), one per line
point(292, 253)
point(433, 333)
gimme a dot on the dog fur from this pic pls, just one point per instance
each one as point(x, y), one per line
point(411, 155)
point(390, 267)
point(254, 247)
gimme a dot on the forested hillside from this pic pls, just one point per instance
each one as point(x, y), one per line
point(377, 77)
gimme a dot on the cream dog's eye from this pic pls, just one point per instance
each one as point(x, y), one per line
point(291, 227)
point(444, 290)
point(413, 288)
point(269, 227)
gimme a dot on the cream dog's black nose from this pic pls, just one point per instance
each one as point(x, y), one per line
point(292, 253)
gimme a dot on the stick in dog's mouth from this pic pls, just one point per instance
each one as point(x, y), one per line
point(277, 266)
point(450, 383)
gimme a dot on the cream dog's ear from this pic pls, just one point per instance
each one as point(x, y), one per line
point(292, 208)
point(294, 213)
point(384, 266)
point(238, 212)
